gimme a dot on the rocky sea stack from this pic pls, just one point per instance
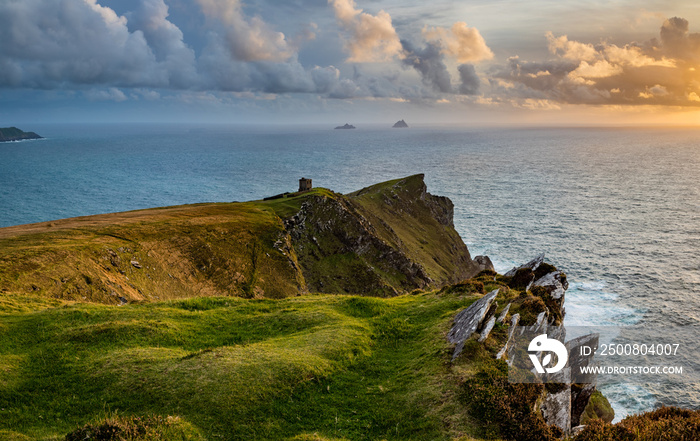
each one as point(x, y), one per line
point(400, 125)
point(346, 126)
point(8, 134)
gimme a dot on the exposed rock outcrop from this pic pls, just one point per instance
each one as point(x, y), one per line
point(400, 125)
point(514, 320)
point(346, 126)
point(556, 409)
point(487, 329)
point(484, 263)
point(326, 229)
point(504, 314)
point(467, 321)
point(531, 265)
point(563, 403)
point(554, 283)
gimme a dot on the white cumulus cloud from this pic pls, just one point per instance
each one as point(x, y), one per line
point(464, 44)
point(371, 38)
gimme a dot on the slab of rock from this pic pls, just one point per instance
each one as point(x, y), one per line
point(468, 321)
point(554, 284)
point(484, 263)
point(576, 359)
point(531, 265)
point(580, 396)
point(487, 329)
point(541, 323)
point(556, 409)
point(136, 264)
point(504, 314)
point(514, 320)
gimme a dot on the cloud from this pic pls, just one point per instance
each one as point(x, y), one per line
point(78, 44)
point(428, 61)
point(463, 43)
point(658, 71)
point(599, 69)
point(372, 37)
point(470, 80)
point(46, 43)
point(571, 50)
point(110, 94)
point(165, 41)
point(677, 42)
point(248, 38)
point(141, 55)
point(656, 91)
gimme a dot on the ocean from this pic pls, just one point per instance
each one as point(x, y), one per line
point(618, 209)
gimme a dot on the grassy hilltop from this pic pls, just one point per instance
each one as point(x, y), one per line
point(383, 240)
point(189, 323)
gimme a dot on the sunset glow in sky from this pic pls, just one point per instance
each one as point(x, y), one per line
point(334, 61)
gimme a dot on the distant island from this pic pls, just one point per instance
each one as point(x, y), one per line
point(401, 125)
point(346, 126)
point(8, 134)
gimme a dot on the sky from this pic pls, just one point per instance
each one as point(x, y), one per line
point(540, 62)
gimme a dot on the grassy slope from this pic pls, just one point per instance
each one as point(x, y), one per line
point(340, 366)
point(203, 249)
point(343, 367)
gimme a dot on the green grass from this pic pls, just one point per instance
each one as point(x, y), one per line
point(186, 251)
point(340, 367)
point(289, 205)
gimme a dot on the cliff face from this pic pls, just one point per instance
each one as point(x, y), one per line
point(383, 240)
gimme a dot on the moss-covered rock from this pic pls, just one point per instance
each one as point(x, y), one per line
point(598, 408)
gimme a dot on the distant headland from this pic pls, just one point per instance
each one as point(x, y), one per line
point(400, 125)
point(8, 134)
point(346, 126)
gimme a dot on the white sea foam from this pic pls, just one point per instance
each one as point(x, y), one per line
point(628, 399)
point(591, 303)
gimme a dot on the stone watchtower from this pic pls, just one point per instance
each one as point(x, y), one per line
point(304, 184)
